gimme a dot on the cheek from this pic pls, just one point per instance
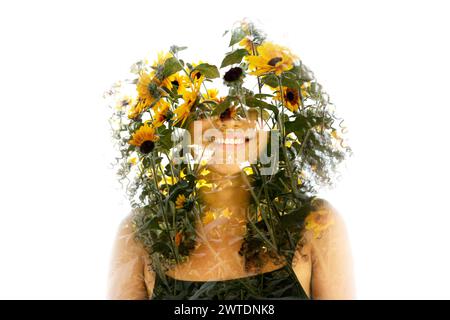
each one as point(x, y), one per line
point(255, 147)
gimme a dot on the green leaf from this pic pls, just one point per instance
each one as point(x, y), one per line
point(253, 102)
point(272, 81)
point(175, 189)
point(300, 123)
point(237, 35)
point(234, 57)
point(175, 49)
point(263, 95)
point(171, 66)
point(165, 138)
point(162, 247)
point(208, 70)
point(224, 105)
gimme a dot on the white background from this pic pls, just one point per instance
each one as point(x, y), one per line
point(384, 63)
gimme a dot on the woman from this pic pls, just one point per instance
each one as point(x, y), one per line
point(228, 226)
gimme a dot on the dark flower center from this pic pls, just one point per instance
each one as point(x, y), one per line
point(290, 96)
point(175, 83)
point(233, 74)
point(226, 115)
point(197, 75)
point(147, 147)
point(272, 62)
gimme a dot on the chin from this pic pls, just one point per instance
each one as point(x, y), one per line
point(226, 168)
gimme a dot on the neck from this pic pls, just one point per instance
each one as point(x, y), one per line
point(226, 206)
point(229, 190)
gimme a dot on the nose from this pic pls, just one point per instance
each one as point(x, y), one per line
point(230, 124)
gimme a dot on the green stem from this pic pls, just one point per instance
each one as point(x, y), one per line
point(283, 147)
point(171, 235)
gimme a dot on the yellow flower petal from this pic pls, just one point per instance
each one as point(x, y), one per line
point(203, 183)
point(181, 200)
point(209, 216)
point(182, 173)
point(226, 213)
point(271, 58)
point(319, 221)
point(144, 133)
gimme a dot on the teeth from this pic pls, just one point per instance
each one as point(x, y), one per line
point(229, 141)
point(249, 136)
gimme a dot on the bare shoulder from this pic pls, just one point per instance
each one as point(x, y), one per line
point(128, 224)
point(126, 235)
point(128, 275)
point(324, 220)
point(332, 276)
point(320, 223)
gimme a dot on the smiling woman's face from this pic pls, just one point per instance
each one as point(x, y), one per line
point(227, 144)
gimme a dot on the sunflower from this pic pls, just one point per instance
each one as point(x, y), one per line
point(177, 81)
point(203, 183)
point(183, 111)
point(208, 217)
point(229, 113)
point(196, 76)
point(248, 171)
point(248, 44)
point(226, 213)
point(158, 64)
point(144, 138)
point(212, 94)
point(183, 173)
point(290, 97)
point(271, 58)
point(167, 180)
point(291, 138)
point(132, 161)
point(160, 113)
point(319, 221)
point(126, 101)
point(136, 109)
point(148, 90)
point(180, 202)
point(161, 60)
point(305, 87)
point(234, 74)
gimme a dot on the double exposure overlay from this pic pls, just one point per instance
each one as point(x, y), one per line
point(222, 164)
